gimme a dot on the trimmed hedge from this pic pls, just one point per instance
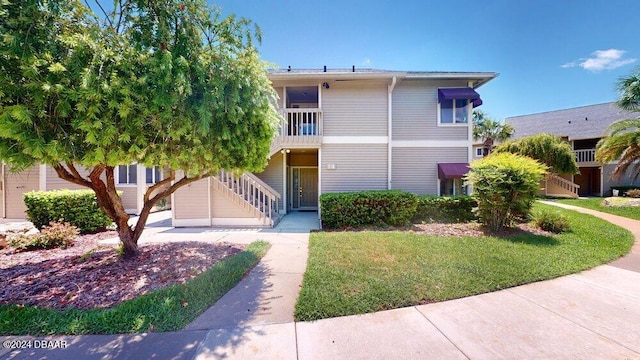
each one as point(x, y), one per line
point(367, 208)
point(445, 209)
point(77, 207)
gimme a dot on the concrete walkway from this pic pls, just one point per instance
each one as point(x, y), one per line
point(591, 315)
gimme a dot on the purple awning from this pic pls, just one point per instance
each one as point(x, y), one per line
point(452, 170)
point(460, 93)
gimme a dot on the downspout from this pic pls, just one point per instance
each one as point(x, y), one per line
point(390, 129)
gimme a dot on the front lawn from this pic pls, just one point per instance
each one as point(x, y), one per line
point(594, 204)
point(361, 272)
point(167, 309)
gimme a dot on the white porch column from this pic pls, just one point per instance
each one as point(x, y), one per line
point(141, 187)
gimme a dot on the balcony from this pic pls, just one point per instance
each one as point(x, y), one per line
point(585, 156)
point(299, 128)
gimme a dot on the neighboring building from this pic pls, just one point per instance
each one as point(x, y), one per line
point(132, 180)
point(347, 130)
point(582, 127)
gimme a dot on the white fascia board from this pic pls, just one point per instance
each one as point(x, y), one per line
point(430, 143)
point(334, 76)
point(355, 139)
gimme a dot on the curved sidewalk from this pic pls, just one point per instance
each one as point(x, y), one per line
point(594, 314)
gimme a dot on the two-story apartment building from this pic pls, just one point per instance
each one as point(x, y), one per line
point(347, 130)
point(582, 127)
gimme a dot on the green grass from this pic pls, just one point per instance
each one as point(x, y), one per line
point(361, 272)
point(167, 309)
point(594, 204)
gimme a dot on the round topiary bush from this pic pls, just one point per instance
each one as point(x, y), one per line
point(505, 186)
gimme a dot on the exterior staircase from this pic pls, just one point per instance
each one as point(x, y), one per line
point(555, 185)
point(250, 192)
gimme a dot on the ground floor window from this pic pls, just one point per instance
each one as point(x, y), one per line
point(452, 187)
point(127, 174)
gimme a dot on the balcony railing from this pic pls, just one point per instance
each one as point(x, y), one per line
point(300, 127)
point(587, 155)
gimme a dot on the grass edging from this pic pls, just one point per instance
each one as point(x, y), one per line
point(352, 273)
point(167, 309)
point(629, 212)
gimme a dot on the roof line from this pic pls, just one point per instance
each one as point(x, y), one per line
point(560, 110)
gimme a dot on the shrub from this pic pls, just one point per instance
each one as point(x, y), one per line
point(505, 186)
point(77, 207)
point(55, 235)
point(550, 221)
point(634, 193)
point(367, 208)
point(445, 209)
point(623, 189)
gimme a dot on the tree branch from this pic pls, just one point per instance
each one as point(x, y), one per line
point(71, 175)
point(106, 16)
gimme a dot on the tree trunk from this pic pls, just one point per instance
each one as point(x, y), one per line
point(128, 240)
point(111, 203)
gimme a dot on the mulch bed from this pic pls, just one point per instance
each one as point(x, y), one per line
point(92, 275)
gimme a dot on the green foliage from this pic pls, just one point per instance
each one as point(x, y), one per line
point(552, 221)
point(171, 84)
point(77, 207)
point(505, 186)
point(548, 149)
point(367, 208)
point(623, 146)
point(489, 131)
point(55, 235)
point(168, 309)
point(175, 85)
point(445, 209)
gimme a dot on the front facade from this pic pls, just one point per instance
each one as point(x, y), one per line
point(347, 130)
point(582, 127)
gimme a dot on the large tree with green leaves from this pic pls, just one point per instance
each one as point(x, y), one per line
point(548, 149)
point(489, 131)
point(166, 83)
point(623, 142)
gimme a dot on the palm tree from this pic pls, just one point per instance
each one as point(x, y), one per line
point(623, 143)
point(490, 131)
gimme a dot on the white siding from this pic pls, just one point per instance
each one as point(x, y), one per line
point(416, 169)
point(358, 167)
point(355, 108)
point(415, 111)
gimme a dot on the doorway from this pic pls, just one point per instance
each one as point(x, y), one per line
point(304, 188)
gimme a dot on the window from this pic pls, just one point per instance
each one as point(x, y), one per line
point(454, 111)
point(153, 175)
point(479, 152)
point(450, 187)
point(128, 174)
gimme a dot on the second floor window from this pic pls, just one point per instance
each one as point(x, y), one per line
point(454, 111)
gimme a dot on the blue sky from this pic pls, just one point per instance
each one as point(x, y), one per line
point(550, 54)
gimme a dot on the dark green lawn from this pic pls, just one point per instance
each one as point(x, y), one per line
point(361, 272)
